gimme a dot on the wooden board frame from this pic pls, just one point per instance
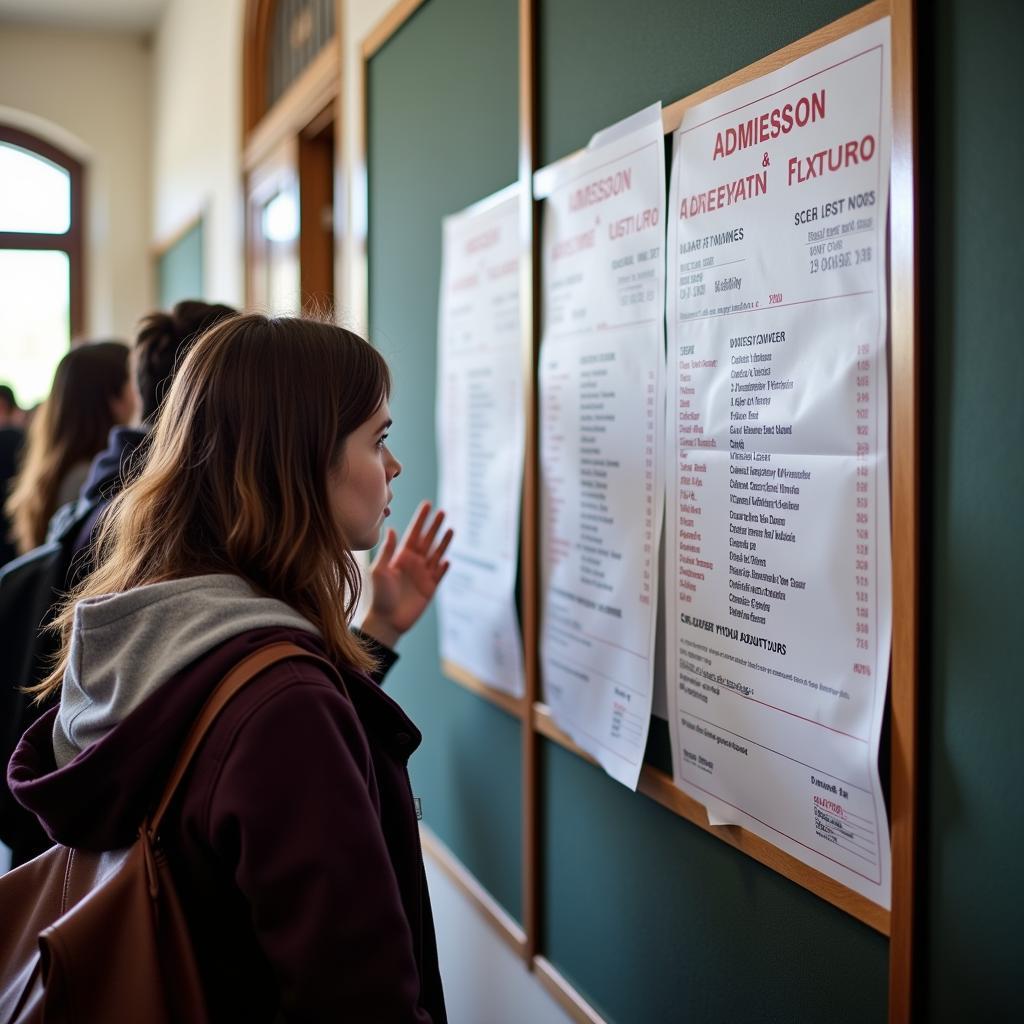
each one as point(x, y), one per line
point(513, 706)
point(658, 786)
point(166, 243)
point(492, 911)
point(904, 325)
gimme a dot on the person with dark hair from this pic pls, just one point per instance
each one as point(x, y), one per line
point(293, 840)
point(11, 414)
point(12, 439)
point(161, 343)
point(91, 392)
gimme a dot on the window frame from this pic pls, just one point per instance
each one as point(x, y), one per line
point(71, 241)
point(257, 41)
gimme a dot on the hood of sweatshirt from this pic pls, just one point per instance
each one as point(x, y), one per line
point(86, 766)
point(124, 647)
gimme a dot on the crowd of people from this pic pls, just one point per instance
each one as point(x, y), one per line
point(195, 498)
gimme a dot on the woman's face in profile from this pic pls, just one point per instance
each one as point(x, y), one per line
point(359, 485)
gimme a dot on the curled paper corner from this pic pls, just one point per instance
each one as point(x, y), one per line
point(716, 820)
point(628, 125)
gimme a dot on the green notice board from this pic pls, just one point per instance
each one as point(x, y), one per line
point(441, 134)
point(179, 268)
point(650, 918)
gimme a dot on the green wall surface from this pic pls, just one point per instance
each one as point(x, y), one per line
point(600, 61)
point(442, 133)
point(972, 686)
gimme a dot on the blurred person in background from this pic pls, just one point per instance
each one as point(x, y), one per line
point(11, 415)
point(161, 344)
point(11, 439)
point(91, 393)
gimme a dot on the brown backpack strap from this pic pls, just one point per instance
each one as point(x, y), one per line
point(247, 669)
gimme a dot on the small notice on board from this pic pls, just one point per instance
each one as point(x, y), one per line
point(778, 548)
point(601, 383)
point(481, 439)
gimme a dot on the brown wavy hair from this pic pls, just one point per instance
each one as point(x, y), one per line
point(236, 479)
point(69, 428)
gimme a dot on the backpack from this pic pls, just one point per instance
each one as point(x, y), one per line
point(101, 937)
point(29, 589)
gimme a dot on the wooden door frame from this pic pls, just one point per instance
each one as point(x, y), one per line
point(308, 104)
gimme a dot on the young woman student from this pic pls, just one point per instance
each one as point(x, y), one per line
point(294, 843)
point(91, 393)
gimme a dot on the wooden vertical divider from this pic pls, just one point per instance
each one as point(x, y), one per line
point(529, 540)
point(905, 467)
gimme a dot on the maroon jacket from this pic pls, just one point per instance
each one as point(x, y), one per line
point(294, 841)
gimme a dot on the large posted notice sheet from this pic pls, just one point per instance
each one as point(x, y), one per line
point(601, 388)
point(481, 439)
point(777, 553)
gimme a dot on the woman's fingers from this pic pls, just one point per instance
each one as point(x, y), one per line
point(428, 540)
point(420, 538)
point(413, 531)
point(437, 554)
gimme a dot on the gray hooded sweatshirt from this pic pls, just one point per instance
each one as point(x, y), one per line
point(124, 647)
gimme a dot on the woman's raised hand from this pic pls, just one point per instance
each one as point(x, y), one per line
point(405, 575)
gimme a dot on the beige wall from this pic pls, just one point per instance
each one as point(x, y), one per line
point(196, 135)
point(89, 92)
point(359, 18)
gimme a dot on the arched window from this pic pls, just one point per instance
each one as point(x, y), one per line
point(41, 300)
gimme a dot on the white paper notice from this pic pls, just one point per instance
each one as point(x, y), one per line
point(777, 552)
point(601, 381)
point(481, 431)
